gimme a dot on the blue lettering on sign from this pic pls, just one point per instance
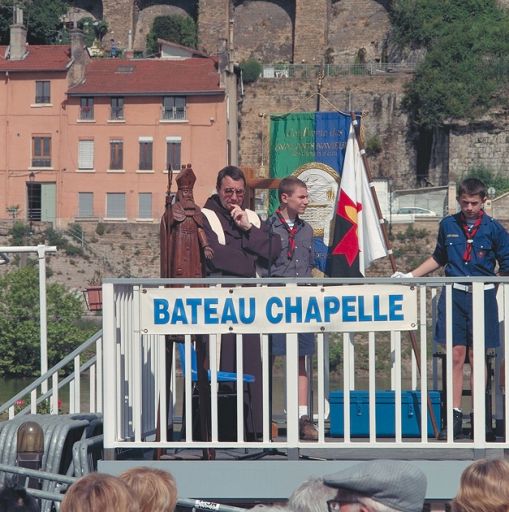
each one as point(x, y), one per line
point(395, 307)
point(349, 308)
point(244, 317)
point(313, 311)
point(293, 310)
point(179, 313)
point(330, 306)
point(273, 318)
point(363, 317)
point(194, 303)
point(376, 306)
point(161, 313)
point(210, 311)
point(229, 312)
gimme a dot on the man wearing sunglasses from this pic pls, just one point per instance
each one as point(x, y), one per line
point(241, 242)
point(377, 486)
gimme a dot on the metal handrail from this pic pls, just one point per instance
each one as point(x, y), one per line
point(69, 480)
point(43, 378)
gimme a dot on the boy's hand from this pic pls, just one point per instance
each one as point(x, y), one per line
point(402, 274)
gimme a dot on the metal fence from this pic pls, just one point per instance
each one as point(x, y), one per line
point(304, 71)
point(136, 396)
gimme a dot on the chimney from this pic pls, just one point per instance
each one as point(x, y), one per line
point(129, 53)
point(18, 36)
point(79, 55)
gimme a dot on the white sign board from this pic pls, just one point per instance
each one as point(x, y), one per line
point(278, 309)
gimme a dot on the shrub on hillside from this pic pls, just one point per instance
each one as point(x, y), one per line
point(251, 70)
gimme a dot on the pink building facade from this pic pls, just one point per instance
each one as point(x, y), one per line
point(99, 150)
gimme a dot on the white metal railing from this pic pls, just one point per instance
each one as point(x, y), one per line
point(303, 71)
point(42, 395)
point(137, 402)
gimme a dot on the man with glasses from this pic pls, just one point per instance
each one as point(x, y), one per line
point(241, 242)
point(377, 486)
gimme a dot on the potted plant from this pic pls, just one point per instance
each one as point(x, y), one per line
point(93, 292)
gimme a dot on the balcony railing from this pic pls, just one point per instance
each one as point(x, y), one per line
point(138, 403)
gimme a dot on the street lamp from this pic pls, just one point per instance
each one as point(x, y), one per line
point(30, 448)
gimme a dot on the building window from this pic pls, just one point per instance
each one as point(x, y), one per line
point(87, 108)
point(41, 151)
point(174, 107)
point(86, 154)
point(116, 154)
point(42, 91)
point(145, 154)
point(173, 145)
point(85, 204)
point(145, 205)
point(117, 108)
point(115, 205)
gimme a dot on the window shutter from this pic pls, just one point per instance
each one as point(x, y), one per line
point(115, 205)
point(85, 204)
point(86, 154)
point(145, 205)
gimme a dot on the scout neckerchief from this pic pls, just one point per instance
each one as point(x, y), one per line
point(292, 231)
point(470, 231)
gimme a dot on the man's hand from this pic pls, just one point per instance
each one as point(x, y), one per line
point(402, 274)
point(240, 218)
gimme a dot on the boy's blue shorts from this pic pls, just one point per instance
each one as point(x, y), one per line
point(462, 319)
point(306, 344)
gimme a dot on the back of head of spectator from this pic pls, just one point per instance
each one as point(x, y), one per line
point(484, 487)
point(17, 499)
point(156, 490)
point(311, 496)
point(99, 492)
point(378, 486)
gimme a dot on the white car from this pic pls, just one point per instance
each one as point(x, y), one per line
point(415, 210)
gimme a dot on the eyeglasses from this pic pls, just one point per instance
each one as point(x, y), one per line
point(335, 504)
point(229, 191)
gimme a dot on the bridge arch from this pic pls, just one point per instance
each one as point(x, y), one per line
point(264, 29)
point(145, 11)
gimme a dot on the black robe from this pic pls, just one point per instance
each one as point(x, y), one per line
point(239, 257)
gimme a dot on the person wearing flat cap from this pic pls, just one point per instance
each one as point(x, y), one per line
point(378, 486)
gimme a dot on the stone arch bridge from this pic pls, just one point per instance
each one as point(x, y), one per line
point(299, 31)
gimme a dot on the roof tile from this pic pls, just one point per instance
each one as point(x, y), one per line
point(149, 76)
point(38, 58)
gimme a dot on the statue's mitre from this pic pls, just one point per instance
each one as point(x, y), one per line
point(186, 178)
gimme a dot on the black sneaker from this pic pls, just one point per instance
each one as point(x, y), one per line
point(457, 427)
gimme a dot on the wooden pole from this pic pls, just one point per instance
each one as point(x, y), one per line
point(413, 339)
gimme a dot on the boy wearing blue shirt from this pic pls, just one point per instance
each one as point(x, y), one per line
point(469, 243)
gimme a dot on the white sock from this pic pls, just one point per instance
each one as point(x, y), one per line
point(303, 410)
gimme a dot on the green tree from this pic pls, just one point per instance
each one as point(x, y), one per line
point(43, 19)
point(19, 322)
point(491, 179)
point(175, 28)
point(465, 67)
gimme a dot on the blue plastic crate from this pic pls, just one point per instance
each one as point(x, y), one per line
point(385, 425)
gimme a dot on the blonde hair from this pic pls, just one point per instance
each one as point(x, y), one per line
point(484, 487)
point(155, 489)
point(99, 491)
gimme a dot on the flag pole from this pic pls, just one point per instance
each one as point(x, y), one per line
point(413, 339)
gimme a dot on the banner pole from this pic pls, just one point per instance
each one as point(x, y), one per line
point(413, 339)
